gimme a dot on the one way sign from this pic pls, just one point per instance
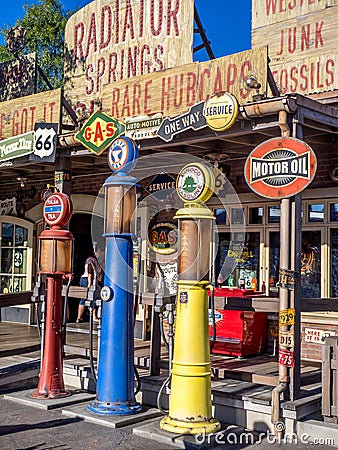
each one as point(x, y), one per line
point(192, 119)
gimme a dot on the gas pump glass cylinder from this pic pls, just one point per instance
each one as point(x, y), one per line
point(194, 258)
point(120, 208)
point(56, 255)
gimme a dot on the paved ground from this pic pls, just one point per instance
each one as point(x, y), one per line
point(26, 428)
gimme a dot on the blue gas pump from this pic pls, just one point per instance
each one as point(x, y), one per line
point(115, 375)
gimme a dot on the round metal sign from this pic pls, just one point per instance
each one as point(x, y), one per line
point(220, 111)
point(195, 183)
point(163, 238)
point(280, 167)
point(57, 209)
point(122, 155)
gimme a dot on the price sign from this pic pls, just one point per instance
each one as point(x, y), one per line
point(287, 317)
point(273, 331)
point(45, 139)
point(286, 358)
point(286, 339)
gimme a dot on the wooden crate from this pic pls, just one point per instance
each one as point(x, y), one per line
point(330, 380)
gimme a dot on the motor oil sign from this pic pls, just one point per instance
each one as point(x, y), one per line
point(280, 167)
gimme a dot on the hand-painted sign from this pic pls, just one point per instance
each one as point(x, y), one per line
point(99, 132)
point(20, 115)
point(173, 91)
point(316, 335)
point(163, 238)
point(139, 128)
point(286, 357)
point(192, 119)
point(8, 207)
point(112, 40)
point(273, 331)
point(220, 111)
point(280, 167)
point(122, 155)
point(18, 77)
point(16, 147)
point(57, 209)
point(161, 186)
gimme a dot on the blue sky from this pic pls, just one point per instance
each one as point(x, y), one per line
point(227, 23)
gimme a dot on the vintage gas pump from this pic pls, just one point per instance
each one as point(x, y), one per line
point(55, 261)
point(190, 409)
point(115, 376)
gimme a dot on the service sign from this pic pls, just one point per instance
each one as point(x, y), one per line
point(112, 40)
point(280, 167)
point(161, 186)
point(220, 111)
point(19, 116)
point(99, 132)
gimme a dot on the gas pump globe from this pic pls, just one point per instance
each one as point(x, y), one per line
point(190, 409)
point(55, 260)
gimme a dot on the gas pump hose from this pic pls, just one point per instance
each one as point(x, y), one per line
point(91, 358)
point(64, 313)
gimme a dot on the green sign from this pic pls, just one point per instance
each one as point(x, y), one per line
point(99, 132)
point(17, 146)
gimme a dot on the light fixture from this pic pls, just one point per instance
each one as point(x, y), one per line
point(252, 83)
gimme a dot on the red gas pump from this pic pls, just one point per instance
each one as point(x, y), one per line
point(55, 261)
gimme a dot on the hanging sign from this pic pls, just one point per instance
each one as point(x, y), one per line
point(280, 167)
point(220, 111)
point(192, 119)
point(161, 186)
point(99, 132)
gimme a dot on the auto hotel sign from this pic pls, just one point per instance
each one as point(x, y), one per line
point(280, 167)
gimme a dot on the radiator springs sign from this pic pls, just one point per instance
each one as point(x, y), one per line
point(280, 167)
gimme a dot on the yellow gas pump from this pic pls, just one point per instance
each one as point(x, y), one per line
point(190, 409)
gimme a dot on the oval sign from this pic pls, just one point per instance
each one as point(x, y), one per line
point(220, 111)
point(163, 238)
point(57, 209)
point(122, 155)
point(280, 167)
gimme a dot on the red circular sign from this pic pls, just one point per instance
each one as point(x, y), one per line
point(280, 167)
point(57, 209)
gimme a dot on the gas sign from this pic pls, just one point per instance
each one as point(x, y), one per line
point(99, 132)
point(280, 167)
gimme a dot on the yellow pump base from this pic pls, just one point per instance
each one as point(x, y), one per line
point(190, 410)
point(179, 427)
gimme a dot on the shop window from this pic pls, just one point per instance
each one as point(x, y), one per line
point(274, 258)
point(256, 215)
point(274, 214)
point(221, 216)
point(334, 262)
point(237, 216)
point(14, 265)
point(311, 264)
point(334, 212)
point(316, 212)
point(237, 259)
